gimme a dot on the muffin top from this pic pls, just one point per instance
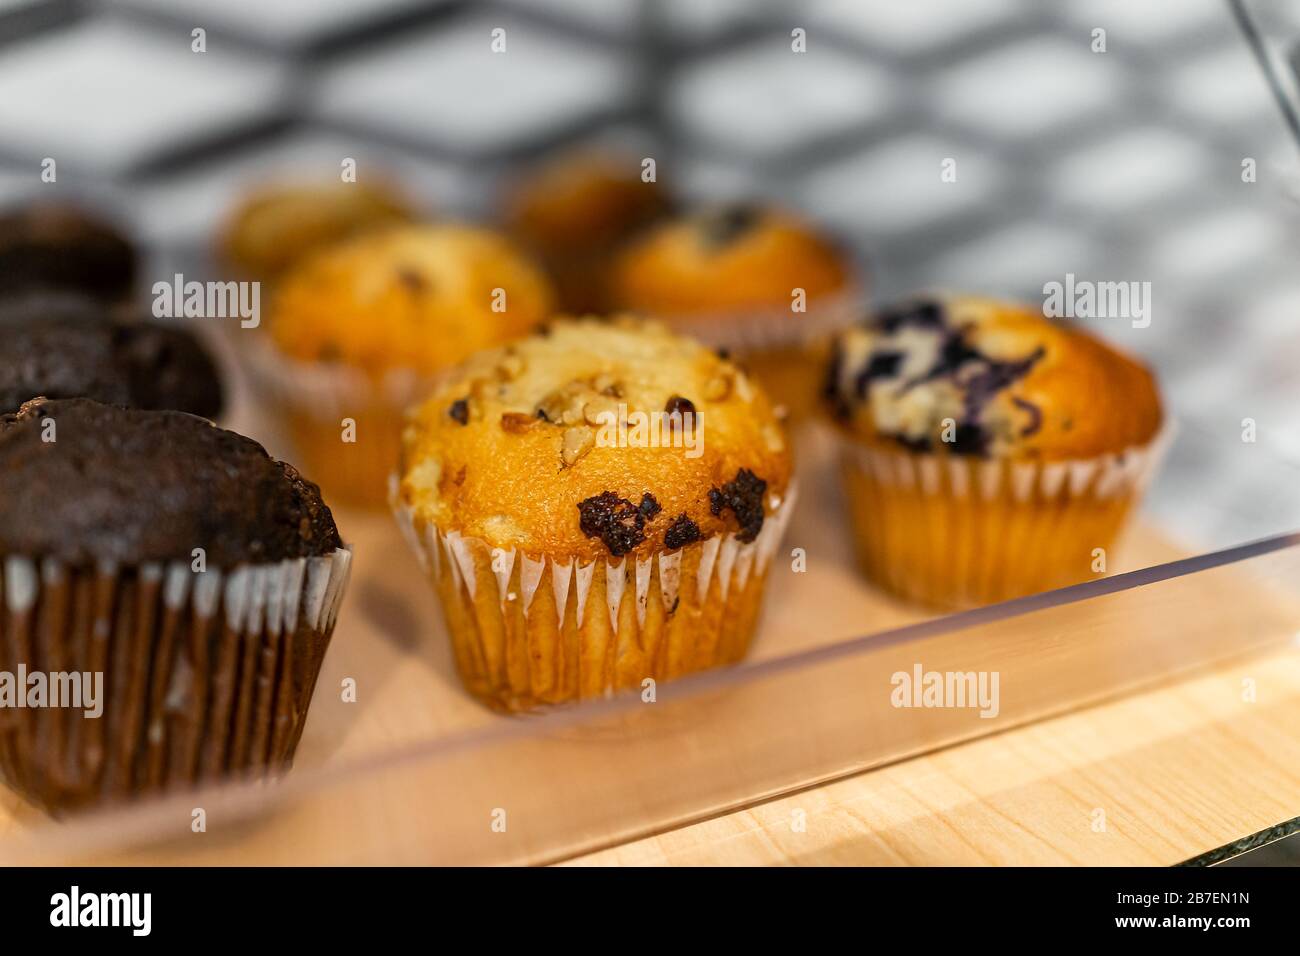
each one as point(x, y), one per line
point(583, 202)
point(135, 486)
point(67, 346)
point(727, 258)
point(558, 445)
point(976, 377)
point(52, 246)
point(278, 225)
point(418, 297)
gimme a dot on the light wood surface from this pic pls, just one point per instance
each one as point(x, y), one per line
point(1172, 774)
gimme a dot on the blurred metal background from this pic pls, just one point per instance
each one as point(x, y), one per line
point(1116, 165)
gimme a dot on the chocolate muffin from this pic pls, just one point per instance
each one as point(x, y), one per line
point(52, 246)
point(67, 346)
point(200, 577)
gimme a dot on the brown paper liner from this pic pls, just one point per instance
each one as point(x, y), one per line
point(205, 675)
point(954, 532)
point(532, 631)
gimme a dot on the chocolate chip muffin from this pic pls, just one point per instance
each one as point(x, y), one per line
point(575, 211)
point(279, 225)
point(67, 346)
point(197, 575)
point(59, 247)
point(598, 505)
point(990, 453)
point(360, 331)
point(761, 282)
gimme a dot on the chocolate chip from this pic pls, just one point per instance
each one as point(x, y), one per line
point(683, 531)
point(460, 410)
point(616, 521)
point(649, 507)
point(721, 227)
point(744, 496)
point(541, 413)
point(678, 404)
point(412, 281)
point(970, 439)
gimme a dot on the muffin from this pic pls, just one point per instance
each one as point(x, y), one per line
point(59, 247)
point(729, 276)
point(575, 211)
point(197, 574)
point(279, 225)
point(597, 506)
point(361, 330)
point(989, 452)
point(67, 346)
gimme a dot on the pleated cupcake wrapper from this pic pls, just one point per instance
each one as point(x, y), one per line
point(766, 328)
point(205, 674)
point(977, 560)
point(719, 580)
point(330, 391)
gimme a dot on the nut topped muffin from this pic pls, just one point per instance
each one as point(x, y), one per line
point(992, 453)
point(359, 331)
point(640, 480)
point(201, 576)
point(66, 346)
point(279, 225)
point(59, 247)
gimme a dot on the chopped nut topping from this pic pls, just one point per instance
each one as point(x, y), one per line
point(600, 411)
point(510, 367)
point(576, 443)
point(517, 422)
point(718, 388)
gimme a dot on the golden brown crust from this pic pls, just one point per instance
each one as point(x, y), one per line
point(516, 480)
point(418, 297)
point(1017, 384)
point(279, 225)
point(726, 259)
point(583, 202)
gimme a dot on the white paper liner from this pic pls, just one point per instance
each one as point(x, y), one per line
point(759, 328)
point(325, 390)
point(725, 563)
point(733, 561)
point(1103, 477)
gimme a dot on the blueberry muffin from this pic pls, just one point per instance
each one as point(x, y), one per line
point(360, 330)
point(197, 574)
point(279, 225)
point(59, 247)
point(66, 346)
point(990, 453)
point(760, 282)
point(575, 212)
point(598, 505)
